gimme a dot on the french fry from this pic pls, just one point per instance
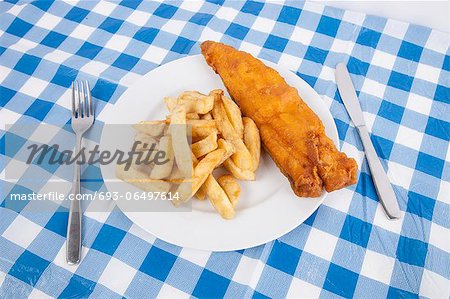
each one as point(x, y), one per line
point(152, 128)
point(218, 198)
point(234, 115)
point(189, 116)
point(199, 133)
point(204, 146)
point(184, 192)
point(192, 116)
point(241, 157)
point(161, 171)
point(220, 116)
point(201, 128)
point(237, 172)
point(166, 131)
point(252, 141)
point(194, 160)
point(175, 175)
point(141, 180)
point(195, 102)
point(229, 150)
point(191, 96)
point(170, 103)
point(206, 166)
point(201, 172)
point(181, 149)
point(206, 116)
point(200, 194)
point(231, 188)
point(146, 141)
point(228, 147)
point(143, 167)
point(203, 125)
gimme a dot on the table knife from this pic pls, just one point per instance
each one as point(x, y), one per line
point(380, 179)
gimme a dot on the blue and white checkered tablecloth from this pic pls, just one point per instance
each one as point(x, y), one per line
point(346, 248)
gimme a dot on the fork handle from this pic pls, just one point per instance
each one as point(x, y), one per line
point(73, 245)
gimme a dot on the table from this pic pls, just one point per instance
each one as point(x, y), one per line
point(431, 14)
point(346, 248)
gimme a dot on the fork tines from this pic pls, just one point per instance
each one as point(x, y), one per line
point(81, 100)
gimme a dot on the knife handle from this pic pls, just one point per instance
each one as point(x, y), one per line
point(380, 179)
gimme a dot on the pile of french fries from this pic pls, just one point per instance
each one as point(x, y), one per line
point(221, 137)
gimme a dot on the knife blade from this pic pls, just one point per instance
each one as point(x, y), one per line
point(380, 179)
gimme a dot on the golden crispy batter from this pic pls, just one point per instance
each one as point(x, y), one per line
point(291, 132)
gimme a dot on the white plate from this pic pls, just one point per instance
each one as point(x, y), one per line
point(267, 207)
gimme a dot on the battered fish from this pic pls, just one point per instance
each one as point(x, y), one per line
point(292, 133)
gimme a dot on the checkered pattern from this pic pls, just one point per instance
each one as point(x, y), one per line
point(346, 248)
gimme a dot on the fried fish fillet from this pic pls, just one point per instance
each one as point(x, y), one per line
point(292, 133)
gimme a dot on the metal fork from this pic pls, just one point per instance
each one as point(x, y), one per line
point(82, 120)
